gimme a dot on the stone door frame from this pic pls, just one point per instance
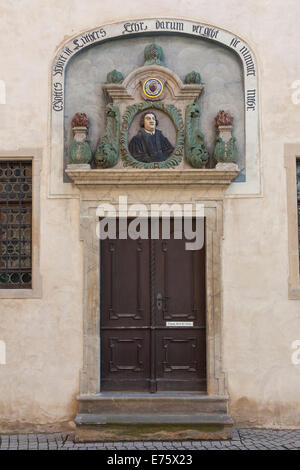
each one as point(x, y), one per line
point(90, 375)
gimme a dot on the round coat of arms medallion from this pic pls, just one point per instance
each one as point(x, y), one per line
point(152, 87)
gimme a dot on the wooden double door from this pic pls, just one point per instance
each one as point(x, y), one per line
point(152, 315)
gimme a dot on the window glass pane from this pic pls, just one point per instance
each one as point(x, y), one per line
point(15, 224)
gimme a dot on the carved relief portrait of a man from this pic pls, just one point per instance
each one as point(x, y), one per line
point(149, 144)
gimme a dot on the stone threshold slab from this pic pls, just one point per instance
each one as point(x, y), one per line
point(187, 419)
point(161, 416)
point(152, 403)
point(157, 428)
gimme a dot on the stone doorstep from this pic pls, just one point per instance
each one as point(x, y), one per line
point(93, 428)
point(159, 403)
point(148, 417)
point(136, 419)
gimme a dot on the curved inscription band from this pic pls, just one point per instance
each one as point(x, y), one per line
point(176, 117)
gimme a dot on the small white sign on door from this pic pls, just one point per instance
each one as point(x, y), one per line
point(179, 323)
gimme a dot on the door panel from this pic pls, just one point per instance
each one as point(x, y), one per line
point(181, 359)
point(180, 351)
point(125, 282)
point(145, 284)
point(125, 360)
point(180, 277)
point(125, 314)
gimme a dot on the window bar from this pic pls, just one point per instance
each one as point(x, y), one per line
point(6, 241)
point(20, 220)
point(298, 202)
point(30, 223)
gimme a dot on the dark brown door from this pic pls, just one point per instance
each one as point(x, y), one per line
point(152, 316)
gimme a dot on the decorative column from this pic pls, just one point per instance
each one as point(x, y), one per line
point(225, 149)
point(80, 151)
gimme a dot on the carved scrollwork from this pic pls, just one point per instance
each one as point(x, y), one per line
point(196, 152)
point(176, 117)
point(107, 152)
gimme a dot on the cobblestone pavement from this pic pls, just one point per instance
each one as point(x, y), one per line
point(243, 439)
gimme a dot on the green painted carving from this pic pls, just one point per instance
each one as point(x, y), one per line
point(114, 77)
point(196, 152)
point(175, 115)
point(153, 55)
point(107, 152)
point(225, 151)
point(80, 152)
point(193, 77)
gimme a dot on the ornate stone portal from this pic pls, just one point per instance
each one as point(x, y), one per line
point(154, 89)
point(181, 178)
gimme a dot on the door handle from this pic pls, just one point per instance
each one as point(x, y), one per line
point(159, 301)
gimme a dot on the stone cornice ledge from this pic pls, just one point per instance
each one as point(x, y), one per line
point(83, 175)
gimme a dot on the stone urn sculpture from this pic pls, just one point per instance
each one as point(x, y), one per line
point(80, 151)
point(225, 149)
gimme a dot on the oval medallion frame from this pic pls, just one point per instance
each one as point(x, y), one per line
point(176, 117)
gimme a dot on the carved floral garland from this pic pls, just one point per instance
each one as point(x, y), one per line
point(176, 117)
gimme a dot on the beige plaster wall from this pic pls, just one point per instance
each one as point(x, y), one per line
point(39, 383)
